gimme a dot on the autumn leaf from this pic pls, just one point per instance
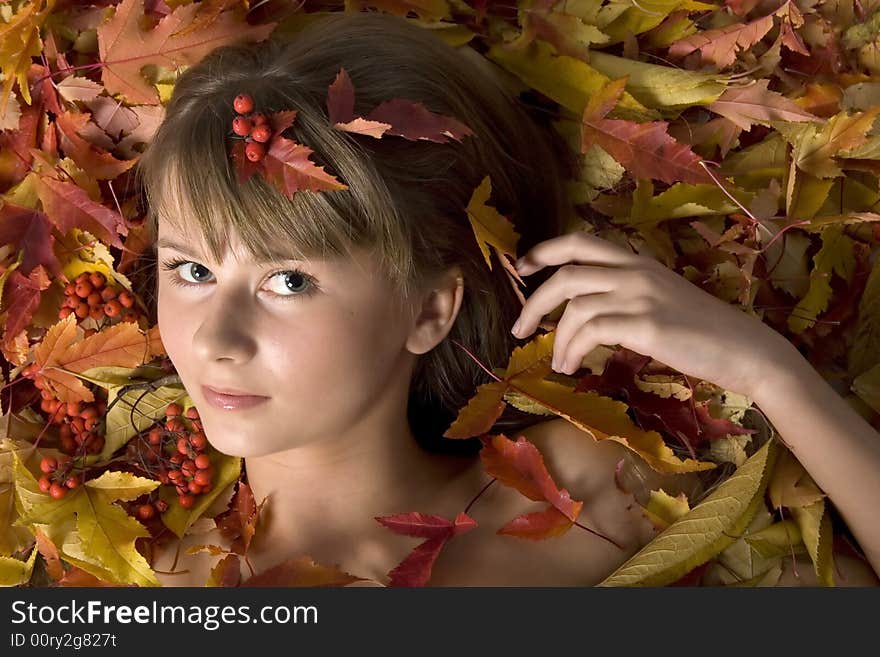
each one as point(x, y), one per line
point(491, 227)
point(239, 523)
point(719, 46)
point(125, 48)
point(645, 149)
point(227, 572)
point(704, 531)
point(755, 103)
point(91, 532)
point(663, 509)
point(791, 485)
point(301, 571)
point(415, 569)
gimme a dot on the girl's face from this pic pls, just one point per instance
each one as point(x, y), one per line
point(324, 340)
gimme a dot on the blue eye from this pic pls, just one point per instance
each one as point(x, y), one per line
point(295, 281)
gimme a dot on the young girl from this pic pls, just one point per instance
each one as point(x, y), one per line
point(334, 319)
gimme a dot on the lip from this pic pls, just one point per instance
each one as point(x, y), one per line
point(231, 402)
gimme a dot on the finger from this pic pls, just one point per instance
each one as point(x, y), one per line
point(580, 310)
point(624, 330)
point(568, 282)
point(577, 312)
point(577, 247)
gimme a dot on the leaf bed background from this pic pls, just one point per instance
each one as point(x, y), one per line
point(734, 142)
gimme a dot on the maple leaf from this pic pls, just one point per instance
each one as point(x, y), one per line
point(19, 41)
point(286, 164)
point(491, 227)
point(58, 356)
point(30, 231)
point(97, 161)
point(239, 523)
point(69, 207)
point(125, 48)
point(719, 46)
point(415, 569)
point(92, 533)
point(569, 34)
point(755, 103)
point(301, 571)
point(21, 299)
point(340, 109)
point(599, 417)
point(645, 149)
point(791, 485)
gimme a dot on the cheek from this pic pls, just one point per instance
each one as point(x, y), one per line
point(172, 320)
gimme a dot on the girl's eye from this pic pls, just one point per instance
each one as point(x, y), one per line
point(291, 281)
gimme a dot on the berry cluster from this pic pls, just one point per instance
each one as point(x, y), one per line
point(78, 422)
point(90, 296)
point(175, 455)
point(253, 126)
point(58, 476)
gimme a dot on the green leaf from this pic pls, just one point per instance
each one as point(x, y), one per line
point(705, 531)
point(136, 411)
point(14, 572)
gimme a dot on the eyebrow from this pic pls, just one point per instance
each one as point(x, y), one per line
point(163, 242)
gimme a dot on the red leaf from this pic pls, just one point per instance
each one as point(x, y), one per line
point(415, 570)
point(30, 231)
point(413, 121)
point(520, 465)
point(538, 525)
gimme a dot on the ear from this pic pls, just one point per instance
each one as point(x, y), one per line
point(436, 311)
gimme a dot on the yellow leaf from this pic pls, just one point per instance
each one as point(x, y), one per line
point(865, 351)
point(867, 387)
point(815, 526)
point(568, 81)
point(791, 485)
point(663, 385)
point(13, 538)
point(663, 509)
point(777, 540)
point(704, 531)
point(89, 530)
point(178, 519)
point(14, 572)
point(136, 410)
point(489, 226)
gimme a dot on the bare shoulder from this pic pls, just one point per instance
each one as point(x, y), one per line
point(586, 468)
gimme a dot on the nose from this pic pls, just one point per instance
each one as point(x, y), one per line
point(227, 329)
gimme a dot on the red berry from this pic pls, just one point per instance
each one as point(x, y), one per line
point(183, 445)
point(84, 289)
point(72, 481)
point(108, 293)
point(97, 279)
point(262, 133)
point(48, 464)
point(187, 501)
point(95, 299)
point(145, 511)
point(74, 408)
point(155, 436)
point(82, 310)
point(161, 506)
point(192, 413)
point(243, 103)
point(173, 410)
point(126, 299)
point(241, 125)
point(258, 118)
point(45, 483)
point(198, 440)
point(70, 289)
point(82, 277)
point(202, 478)
point(202, 461)
point(112, 308)
point(255, 151)
point(194, 488)
point(57, 491)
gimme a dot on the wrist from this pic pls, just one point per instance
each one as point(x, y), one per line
point(783, 368)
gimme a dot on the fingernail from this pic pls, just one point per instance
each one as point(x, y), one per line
point(516, 327)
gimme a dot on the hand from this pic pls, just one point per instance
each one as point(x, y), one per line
point(619, 297)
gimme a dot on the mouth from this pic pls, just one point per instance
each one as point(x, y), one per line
point(231, 400)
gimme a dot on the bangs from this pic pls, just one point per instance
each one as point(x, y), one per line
point(190, 181)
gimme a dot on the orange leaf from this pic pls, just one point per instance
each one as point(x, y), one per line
point(520, 465)
point(539, 525)
point(227, 572)
point(301, 571)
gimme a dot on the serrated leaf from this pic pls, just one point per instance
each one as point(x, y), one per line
point(705, 531)
point(815, 525)
point(14, 572)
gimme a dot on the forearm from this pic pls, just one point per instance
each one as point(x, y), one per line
point(839, 449)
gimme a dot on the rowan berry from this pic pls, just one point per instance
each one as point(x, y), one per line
point(255, 151)
point(84, 276)
point(97, 279)
point(72, 481)
point(202, 478)
point(112, 308)
point(202, 461)
point(262, 133)
point(146, 511)
point(82, 310)
point(183, 445)
point(97, 312)
point(173, 410)
point(45, 483)
point(108, 293)
point(192, 413)
point(48, 464)
point(241, 125)
point(95, 299)
point(70, 289)
point(57, 491)
point(186, 501)
point(258, 118)
point(161, 506)
point(194, 488)
point(74, 408)
point(243, 103)
point(126, 299)
point(198, 440)
point(84, 289)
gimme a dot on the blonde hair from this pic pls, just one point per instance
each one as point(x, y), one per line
point(405, 200)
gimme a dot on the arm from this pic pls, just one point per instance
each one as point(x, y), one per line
point(839, 449)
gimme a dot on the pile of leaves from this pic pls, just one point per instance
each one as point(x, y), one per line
point(733, 142)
